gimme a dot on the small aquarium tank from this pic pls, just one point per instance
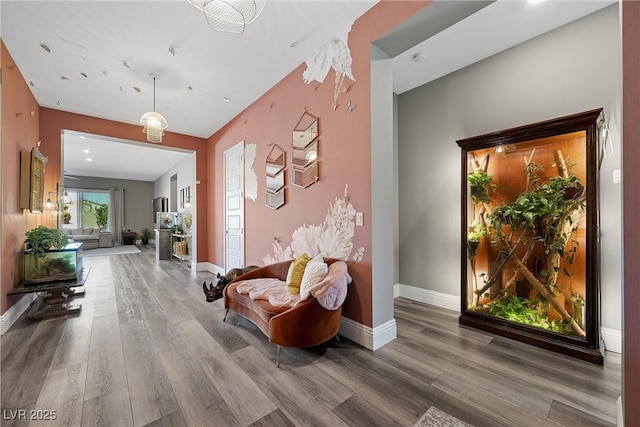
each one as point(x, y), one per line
point(166, 220)
point(53, 266)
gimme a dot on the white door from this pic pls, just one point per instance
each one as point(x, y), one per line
point(234, 206)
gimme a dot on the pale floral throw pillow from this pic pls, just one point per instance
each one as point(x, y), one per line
point(315, 271)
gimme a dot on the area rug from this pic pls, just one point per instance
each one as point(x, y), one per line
point(434, 417)
point(116, 250)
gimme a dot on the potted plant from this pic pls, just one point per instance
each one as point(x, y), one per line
point(40, 239)
point(44, 260)
point(145, 234)
point(102, 215)
point(66, 215)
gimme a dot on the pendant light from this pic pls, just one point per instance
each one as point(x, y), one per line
point(154, 124)
point(229, 15)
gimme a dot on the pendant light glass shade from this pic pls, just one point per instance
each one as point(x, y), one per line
point(153, 123)
point(229, 15)
point(154, 126)
point(66, 198)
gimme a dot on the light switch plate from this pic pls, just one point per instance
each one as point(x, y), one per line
point(359, 219)
point(617, 176)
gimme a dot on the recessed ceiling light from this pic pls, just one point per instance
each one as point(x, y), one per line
point(45, 47)
point(226, 99)
point(419, 57)
point(89, 159)
point(86, 151)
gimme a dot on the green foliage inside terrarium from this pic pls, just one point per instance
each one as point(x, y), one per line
point(50, 267)
point(528, 311)
point(480, 186)
point(530, 240)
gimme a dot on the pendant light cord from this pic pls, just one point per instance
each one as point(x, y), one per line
point(154, 94)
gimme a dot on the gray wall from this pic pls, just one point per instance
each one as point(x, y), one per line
point(572, 69)
point(138, 196)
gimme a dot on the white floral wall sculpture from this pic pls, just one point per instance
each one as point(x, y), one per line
point(250, 177)
point(333, 54)
point(333, 238)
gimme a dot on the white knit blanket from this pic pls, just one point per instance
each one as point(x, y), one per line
point(273, 290)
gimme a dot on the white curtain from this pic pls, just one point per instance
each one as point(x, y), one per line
point(116, 215)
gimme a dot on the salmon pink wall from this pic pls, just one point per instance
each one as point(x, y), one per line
point(344, 156)
point(20, 119)
point(53, 122)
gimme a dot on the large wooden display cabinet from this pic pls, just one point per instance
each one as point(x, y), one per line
point(530, 234)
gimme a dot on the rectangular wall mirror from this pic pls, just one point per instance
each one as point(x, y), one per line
point(32, 165)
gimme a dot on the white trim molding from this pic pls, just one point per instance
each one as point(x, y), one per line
point(439, 299)
point(9, 317)
point(370, 338)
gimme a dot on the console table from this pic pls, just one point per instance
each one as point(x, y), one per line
point(55, 301)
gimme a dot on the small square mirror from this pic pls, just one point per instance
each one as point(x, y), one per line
point(304, 157)
point(306, 176)
point(275, 200)
point(305, 131)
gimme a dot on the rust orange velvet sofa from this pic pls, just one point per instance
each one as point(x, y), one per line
point(305, 325)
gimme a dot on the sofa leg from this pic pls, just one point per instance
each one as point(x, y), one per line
point(225, 315)
point(278, 356)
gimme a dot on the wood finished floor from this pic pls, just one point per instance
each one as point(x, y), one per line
point(147, 350)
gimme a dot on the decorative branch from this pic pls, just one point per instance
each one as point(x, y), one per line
point(526, 273)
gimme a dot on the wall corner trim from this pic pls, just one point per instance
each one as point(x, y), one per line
point(9, 317)
point(370, 338)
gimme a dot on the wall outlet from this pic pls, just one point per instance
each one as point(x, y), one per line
point(359, 219)
point(617, 176)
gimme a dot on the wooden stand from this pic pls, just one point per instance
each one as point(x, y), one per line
point(55, 301)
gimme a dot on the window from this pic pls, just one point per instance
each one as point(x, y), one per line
point(88, 208)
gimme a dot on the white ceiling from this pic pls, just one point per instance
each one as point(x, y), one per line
point(116, 44)
point(103, 157)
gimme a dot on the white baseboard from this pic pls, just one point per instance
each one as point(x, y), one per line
point(612, 339)
point(210, 267)
point(619, 413)
point(9, 317)
point(439, 299)
point(370, 338)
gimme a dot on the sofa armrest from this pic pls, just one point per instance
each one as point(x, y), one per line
point(305, 325)
point(105, 239)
